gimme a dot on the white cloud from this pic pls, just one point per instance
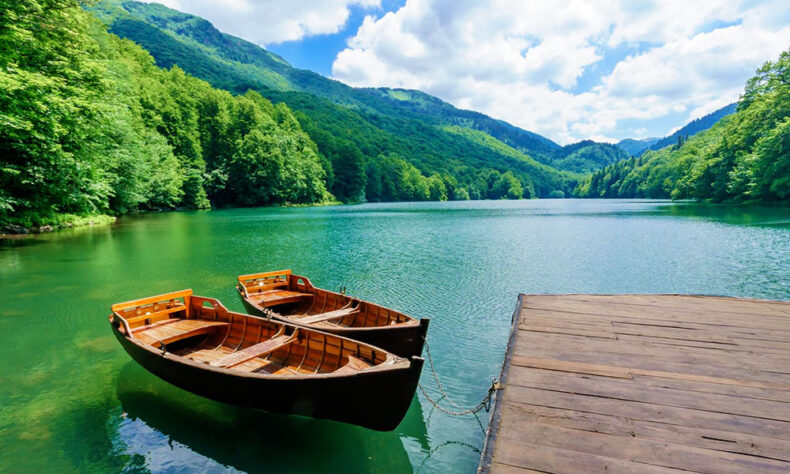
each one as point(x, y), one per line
point(522, 61)
point(272, 21)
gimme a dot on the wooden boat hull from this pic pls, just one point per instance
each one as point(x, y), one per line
point(404, 341)
point(293, 299)
point(374, 399)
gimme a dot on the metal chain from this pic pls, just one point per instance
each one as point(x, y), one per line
point(485, 403)
point(436, 376)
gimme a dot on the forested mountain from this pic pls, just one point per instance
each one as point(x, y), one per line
point(228, 66)
point(635, 147)
point(357, 129)
point(744, 157)
point(695, 126)
point(585, 156)
point(90, 125)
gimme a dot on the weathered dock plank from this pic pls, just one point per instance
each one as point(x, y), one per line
point(643, 383)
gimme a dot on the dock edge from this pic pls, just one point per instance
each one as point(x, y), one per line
point(487, 453)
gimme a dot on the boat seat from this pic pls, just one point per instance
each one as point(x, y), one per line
point(321, 317)
point(263, 348)
point(161, 333)
point(353, 365)
point(154, 316)
point(154, 325)
point(275, 297)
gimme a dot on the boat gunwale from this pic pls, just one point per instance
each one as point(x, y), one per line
point(399, 363)
point(242, 290)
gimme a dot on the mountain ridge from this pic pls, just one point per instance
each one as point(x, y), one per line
point(636, 146)
point(203, 34)
point(353, 127)
point(695, 126)
point(232, 63)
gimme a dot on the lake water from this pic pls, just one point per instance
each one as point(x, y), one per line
point(71, 399)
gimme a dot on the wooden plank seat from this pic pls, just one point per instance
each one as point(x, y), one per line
point(275, 297)
point(154, 316)
point(175, 331)
point(353, 365)
point(249, 353)
point(153, 325)
point(322, 317)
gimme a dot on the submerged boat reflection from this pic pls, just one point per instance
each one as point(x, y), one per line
point(191, 432)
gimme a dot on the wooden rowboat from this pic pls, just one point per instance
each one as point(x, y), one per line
point(198, 345)
point(292, 298)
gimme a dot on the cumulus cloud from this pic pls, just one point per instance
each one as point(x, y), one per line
point(553, 67)
point(272, 21)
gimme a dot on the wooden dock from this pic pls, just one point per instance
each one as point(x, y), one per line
point(643, 383)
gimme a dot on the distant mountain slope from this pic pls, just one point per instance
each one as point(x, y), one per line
point(694, 127)
point(274, 72)
point(342, 120)
point(635, 147)
point(586, 156)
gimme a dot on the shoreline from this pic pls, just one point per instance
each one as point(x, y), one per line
point(19, 231)
point(103, 219)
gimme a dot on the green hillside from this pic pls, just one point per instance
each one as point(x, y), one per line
point(271, 71)
point(695, 126)
point(744, 157)
point(637, 147)
point(351, 126)
point(585, 156)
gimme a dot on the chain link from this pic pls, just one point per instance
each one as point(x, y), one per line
point(484, 404)
point(436, 377)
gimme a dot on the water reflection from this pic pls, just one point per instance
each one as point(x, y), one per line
point(10, 242)
point(169, 427)
point(460, 263)
point(736, 215)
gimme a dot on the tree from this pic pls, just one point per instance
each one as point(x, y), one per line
point(349, 169)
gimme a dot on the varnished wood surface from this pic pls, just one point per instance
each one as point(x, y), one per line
point(211, 334)
point(167, 332)
point(644, 383)
point(275, 297)
point(291, 298)
point(328, 316)
point(251, 352)
point(197, 344)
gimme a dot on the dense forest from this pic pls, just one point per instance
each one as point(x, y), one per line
point(745, 157)
point(92, 124)
point(89, 125)
point(586, 156)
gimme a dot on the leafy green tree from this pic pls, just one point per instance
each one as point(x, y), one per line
point(254, 169)
point(437, 191)
point(349, 170)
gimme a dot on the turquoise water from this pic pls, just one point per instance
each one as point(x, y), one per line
point(71, 400)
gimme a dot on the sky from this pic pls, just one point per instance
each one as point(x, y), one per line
point(568, 70)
